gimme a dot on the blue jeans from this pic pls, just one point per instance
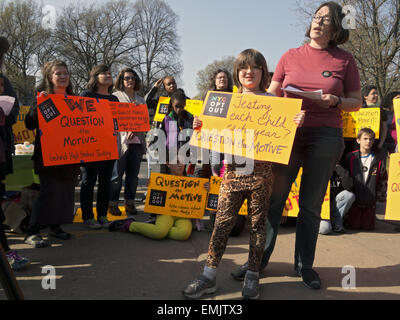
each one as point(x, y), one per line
point(129, 163)
point(90, 172)
point(343, 202)
point(317, 150)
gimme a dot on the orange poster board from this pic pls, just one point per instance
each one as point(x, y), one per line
point(251, 126)
point(130, 117)
point(75, 129)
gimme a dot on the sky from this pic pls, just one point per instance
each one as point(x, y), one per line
point(212, 29)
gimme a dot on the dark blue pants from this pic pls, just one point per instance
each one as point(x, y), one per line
point(90, 172)
point(317, 150)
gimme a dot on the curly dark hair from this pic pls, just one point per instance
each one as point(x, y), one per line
point(4, 46)
point(212, 85)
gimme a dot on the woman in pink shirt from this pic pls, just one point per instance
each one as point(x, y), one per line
point(318, 145)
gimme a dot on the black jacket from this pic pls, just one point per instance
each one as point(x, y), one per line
point(352, 177)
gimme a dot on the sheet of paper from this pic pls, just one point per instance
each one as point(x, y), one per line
point(313, 95)
point(6, 103)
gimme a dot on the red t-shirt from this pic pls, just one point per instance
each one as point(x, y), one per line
point(333, 70)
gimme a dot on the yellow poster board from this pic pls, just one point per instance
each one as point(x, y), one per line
point(177, 196)
point(393, 190)
point(364, 118)
point(212, 197)
point(21, 133)
point(396, 107)
point(192, 106)
point(246, 125)
point(292, 203)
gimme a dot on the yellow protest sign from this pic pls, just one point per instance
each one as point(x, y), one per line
point(364, 118)
point(251, 126)
point(177, 196)
point(192, 106)
point(393, 190)
point(21, 133)
point(396, 107)
point(212, 197)
point(292, 203)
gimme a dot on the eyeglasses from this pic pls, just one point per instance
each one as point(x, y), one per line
point(129, 78)
point(179, 106)
point(60, 74)
point(170, 83)
point(244, 69)
point(325, 19)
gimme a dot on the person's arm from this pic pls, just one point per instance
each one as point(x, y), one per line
point(382, 134)
point(275, 88)
point(351, 101)
point(149, 97)
point(31, 118)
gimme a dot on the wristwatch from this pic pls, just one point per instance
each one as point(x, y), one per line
point(338, 103)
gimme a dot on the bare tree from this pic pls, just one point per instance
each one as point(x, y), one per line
point(20, 22)
point(374, 41)
point(204, 76)
point(87, 36)
point(159, 53)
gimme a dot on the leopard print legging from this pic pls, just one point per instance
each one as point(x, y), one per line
point(234, 190)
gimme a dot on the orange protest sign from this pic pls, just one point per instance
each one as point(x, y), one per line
point(130, 117)
point(251, 126)
point(75, 129)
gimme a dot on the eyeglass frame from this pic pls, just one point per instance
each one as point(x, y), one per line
point(325, 19)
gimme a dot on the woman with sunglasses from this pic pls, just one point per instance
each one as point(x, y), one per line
point(131, 146)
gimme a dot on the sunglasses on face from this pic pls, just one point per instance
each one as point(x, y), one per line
point(129, 78)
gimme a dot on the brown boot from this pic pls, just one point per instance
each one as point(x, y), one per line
point(114, 210)
point(130, 209)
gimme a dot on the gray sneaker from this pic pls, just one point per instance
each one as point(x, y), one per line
point(200, 286)
point(240, 272)
point(251, 287)
point(92, 224)
point(36, 241)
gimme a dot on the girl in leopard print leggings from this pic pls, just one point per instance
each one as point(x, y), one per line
point(251, 76)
